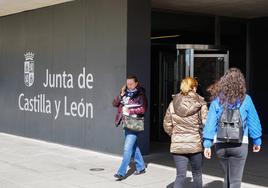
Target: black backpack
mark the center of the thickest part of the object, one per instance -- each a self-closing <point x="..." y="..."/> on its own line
<point x="230" y="126"/>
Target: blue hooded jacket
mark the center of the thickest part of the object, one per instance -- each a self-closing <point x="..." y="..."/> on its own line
<point x="248" y="114"/>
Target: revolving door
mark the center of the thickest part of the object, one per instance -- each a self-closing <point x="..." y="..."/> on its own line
<point x="170" y="65"/>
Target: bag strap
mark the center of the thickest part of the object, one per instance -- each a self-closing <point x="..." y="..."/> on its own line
<point x="172" y="111"/>
<point x="200" y="122"/>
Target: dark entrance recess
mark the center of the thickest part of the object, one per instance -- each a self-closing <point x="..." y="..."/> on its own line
<point x="162" y="87"/>
<point x="168" y="64"/>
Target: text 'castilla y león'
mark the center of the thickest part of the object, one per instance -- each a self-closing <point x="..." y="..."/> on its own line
<point x="41" y="103"/>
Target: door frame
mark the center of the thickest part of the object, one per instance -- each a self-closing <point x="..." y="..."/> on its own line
<point x="192" y="51"/>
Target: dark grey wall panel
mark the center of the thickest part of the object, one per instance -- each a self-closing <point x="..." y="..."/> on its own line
<point x="138" y="53"/>
<point x="13" y="42"/>
<point x="69" y="56"/>
<point x="66" y="37"/>
<point x="38" y="39"/>
<point x="109" y="73"/>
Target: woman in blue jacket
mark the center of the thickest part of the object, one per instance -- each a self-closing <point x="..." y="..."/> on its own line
<point x="230" y="91"/>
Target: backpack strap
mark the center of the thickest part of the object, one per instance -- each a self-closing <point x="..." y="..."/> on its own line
<point x="200" y="122"/>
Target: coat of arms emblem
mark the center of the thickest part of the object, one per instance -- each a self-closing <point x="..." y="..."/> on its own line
<point x="29" y="69"/>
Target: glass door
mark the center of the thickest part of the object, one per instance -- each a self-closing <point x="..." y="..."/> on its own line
<point x="204" y="62"/>
<point x="208" y="68"/>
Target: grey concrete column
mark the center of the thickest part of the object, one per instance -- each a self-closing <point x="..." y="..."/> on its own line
<point x="138" y="53"/>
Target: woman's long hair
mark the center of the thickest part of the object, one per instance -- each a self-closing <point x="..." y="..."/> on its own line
<point x="230" y="88"/>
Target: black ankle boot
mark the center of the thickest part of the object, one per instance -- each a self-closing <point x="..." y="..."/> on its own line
<point x="119" y="177"/>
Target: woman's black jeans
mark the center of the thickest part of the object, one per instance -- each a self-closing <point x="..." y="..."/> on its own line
<point x="181" y="162"/>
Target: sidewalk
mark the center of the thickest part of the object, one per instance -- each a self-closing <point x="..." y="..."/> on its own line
<point x="27" y="163"/>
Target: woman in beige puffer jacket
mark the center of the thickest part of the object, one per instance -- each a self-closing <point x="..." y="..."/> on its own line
<point x="183" y="122"/>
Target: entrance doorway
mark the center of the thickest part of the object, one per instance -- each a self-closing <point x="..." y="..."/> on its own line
<point x="170" y="64"/>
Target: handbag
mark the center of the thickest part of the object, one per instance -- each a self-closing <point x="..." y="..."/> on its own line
<point x="133" y="123"/>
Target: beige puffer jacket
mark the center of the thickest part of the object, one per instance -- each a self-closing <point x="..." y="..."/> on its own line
<point x="183" y="123"/>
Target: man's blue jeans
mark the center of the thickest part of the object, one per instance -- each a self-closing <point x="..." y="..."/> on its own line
<point x="131" y="149"/>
